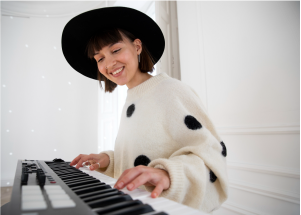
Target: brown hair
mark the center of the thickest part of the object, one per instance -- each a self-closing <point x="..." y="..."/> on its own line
<point x="111" y="36"/>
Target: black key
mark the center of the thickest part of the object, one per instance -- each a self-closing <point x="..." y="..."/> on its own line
<point x="78" y="179"/>
<point x="87" y="185"/>
<point x="82" y="182"/>
<point x="98" y="193"/>
<point x="109" y="201"/>
<point x="135" y="210"/>
<point x="101" y="196"/>
<point x="160" y="213"/>
<point x="59" y="173"/>
<point x="91" y="189"/>
<point x="117" y="206"/>
<point x="73" y="176"/>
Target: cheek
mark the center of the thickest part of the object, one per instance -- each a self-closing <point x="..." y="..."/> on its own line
<point x="101" y="69"/>
<point x="127" y="58"/>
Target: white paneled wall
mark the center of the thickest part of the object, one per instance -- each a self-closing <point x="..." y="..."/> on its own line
<point x="48" y="110"/>
<point x="243" y="59"/>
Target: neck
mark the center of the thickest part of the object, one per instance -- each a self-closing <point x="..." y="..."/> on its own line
<point x="138" y="78"/>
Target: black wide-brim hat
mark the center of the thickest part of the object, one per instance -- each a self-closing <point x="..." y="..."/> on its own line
<point x="82" y="27"/>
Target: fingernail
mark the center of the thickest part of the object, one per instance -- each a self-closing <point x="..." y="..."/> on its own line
<point x="155" y="195"/>
<point x="91" y="167"/>
<point x="120" y="185"/>
<point x="130" y="186"/>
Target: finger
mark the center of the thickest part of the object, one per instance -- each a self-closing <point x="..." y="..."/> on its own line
<point x="75" y="160"/>
<point x="120" y="178"/>
<point x="157" y="191"/>
<point x="130" y="176"/>
<point x="85" y="158"/>
<point x="94" y="166"/>
<point x="138" y="181"/>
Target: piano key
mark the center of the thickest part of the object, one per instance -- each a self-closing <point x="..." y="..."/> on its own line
<point x="82" y="183"/>
<point x="95" y="196"/>
<point x="87" y="185"/>
<point x="109" y="201"/>
<point x="73" y="176"/>
<point x="91" y="189"/>
<point x="99" y="192"/>
<point x="84" y="178"/>
<point x="134" y="210"/>
<point x="117" y="206"/>
<point x="155" y="213"/>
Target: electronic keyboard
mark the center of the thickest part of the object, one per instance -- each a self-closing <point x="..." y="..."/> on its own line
<point x="55" y="187"/>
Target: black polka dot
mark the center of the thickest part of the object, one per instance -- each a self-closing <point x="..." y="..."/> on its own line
<point x="192" y="123"/>
<point x="130" y="110"/>
<point x="142" y="160"/>
<point x="224" y="152"/>
<point x="212" y="176"/>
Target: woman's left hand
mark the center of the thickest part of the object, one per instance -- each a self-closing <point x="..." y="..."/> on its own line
<point x="144" y="175"/>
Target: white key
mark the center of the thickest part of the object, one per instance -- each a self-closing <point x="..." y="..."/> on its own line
<point x="32" y="198"/>
<point x="56" y="191"/>
<point x="35" y="205"/>
<point x="63" y="204"/>
<point x="54" y="197"/>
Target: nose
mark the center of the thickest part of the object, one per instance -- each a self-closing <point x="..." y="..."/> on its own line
<point x="110" y="63"/>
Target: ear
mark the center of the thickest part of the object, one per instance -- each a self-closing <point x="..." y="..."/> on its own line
<point x="138" y="45"/>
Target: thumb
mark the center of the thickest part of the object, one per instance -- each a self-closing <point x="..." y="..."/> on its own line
<point x="94" y="166"/>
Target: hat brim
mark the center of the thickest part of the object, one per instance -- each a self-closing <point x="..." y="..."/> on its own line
<point x="82" y="27"/>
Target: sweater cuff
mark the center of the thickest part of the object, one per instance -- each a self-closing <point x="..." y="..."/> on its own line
<point x="109" y="170"/>
<point x="174" y="168"/>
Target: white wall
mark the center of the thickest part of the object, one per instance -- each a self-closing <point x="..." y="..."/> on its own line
<point x="243" y="59"/>
<point x="48" y="110"/>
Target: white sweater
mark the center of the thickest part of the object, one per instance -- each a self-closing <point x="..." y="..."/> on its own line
<point x="164" y="125"/>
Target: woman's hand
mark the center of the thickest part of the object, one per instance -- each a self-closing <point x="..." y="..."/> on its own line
<point x="96" y="160"/>
<point x="143" y="175"/>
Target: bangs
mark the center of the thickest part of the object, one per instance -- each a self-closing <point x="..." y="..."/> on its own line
<point x="102" y="39"/>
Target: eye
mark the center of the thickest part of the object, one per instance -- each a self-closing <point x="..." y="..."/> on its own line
<point x="99" y="60"/>
<point x="116" y="50"/>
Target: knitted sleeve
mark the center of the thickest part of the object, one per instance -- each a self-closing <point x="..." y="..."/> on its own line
<point x="109" y="171"/>
<point x="197" y="167"/>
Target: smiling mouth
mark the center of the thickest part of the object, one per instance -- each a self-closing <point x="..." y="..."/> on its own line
<point x="117" y="71"/>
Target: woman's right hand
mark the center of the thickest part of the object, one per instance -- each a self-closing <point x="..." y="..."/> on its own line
<point x="96" y="160"/>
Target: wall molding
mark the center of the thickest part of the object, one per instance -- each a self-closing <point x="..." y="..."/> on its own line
<point x="267" y="191"/>
<point x="272" y="170"/>
<point x="240" y="210"/>
<point x="267" y="129"/>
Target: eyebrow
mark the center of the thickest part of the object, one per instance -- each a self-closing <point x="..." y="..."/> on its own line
<point x="96" y="53"/>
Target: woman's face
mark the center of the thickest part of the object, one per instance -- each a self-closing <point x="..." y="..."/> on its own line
<point x="119" y="62"/>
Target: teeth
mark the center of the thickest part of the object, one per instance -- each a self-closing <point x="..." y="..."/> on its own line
<point x="119" y="70"/>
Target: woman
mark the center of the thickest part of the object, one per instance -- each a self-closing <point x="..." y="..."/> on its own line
<point x="166" y="142"/>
